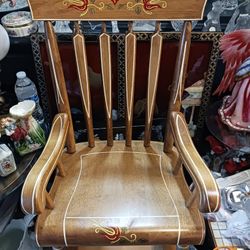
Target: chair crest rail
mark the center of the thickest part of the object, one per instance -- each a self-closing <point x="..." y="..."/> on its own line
<point x="117" y="9"/>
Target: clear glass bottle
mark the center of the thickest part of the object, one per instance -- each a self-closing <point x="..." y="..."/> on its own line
<point x="25" y="89"/>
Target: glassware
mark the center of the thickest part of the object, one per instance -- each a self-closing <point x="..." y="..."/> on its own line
<point x="178" y="24"/>
<point x="229" y="4"/>
<point x="26" y="90"/>
<point x="240" y="18"/>
<point x="213" y="17"/>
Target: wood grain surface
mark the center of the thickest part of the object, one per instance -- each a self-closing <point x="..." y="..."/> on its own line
<point x="59" y="84"/>
<point x="209" y="193"/>
<point x="105" y="53"/>
<point x="130" y="64"/>
<point x="33" y="197"/>
<point x="120" y="195"/>
<point x="117" y="9"/>
<point x="115" y="193"/>
<point x="153" y="73"/>
<point x="178" y="81"/>
<point x="83" y="77"/>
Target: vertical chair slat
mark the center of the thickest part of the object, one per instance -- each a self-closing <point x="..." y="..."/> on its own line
<point x="130" y="62"/>
<point x="154" y="66"/>
<point x="59" y="82"/>
<point x="178" y="81"/>
<point x="105" y="51"/>
<point x="82" y="69"/>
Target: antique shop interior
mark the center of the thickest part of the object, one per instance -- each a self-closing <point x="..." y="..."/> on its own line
<point x="125" y="124"/>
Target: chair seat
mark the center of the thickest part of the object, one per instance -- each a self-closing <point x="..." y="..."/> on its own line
<point x="120" y="196"/>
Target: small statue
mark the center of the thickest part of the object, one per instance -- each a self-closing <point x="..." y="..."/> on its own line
<point x="240" y="18"/>
<point x="213" y="17"/>
<point x="235" y="110"/>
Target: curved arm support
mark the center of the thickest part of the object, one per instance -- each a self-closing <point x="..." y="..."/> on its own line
<point x="201" y="175"/>
<point x="33" y="196"/>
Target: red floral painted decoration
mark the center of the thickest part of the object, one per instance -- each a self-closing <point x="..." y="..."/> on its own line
<point x="115" y="1"/>
<point x="84" y="4"/>
<point x="115" y="234"/>
<point x="81" y="7"/>
<point x="145" y="5"/>
<point x="149" y="6"/>
<point x="19" y="134"/>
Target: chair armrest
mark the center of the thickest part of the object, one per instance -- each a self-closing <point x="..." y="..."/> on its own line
<point x="33" y="196"/>
<point x="201" y="175"/>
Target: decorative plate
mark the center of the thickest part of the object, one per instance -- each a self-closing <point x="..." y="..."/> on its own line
<point x="20" y="4"/>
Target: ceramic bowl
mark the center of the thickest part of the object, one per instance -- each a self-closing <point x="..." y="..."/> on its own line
<point x="22" y="109"/>
<point x="19" y="24"/>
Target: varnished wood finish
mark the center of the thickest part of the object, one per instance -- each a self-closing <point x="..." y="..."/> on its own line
<point x="133" y="190"/>
<point x="59" y="82"/>
<point x="204" y="181"/>
<point x="82" y="69"/>
<point x="60" y="168"/>
<point x="154" y="66"/>
<point x="124" y="192"/>
<point x="177" y="167"/>
<point x="192" y="198"/>
<point x="117" y="10"/>
<point x="105" y="51"/>
<point x="178" y="81"/>
<point x="130" y="60"/>
<point x="33" y="197"/>
<point x="49" y="202"/>
<point x="169" y="247"/>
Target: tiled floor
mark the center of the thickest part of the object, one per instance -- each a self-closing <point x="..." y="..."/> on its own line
<point x="217" y="230"/>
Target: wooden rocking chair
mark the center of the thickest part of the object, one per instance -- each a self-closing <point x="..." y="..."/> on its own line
<point x="119" y="192"/>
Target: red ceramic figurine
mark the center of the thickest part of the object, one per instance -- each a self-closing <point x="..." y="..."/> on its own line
<point x="235" y="110"/>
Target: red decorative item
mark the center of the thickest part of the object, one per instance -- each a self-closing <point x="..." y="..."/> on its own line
<point x="115" y="236"/>
<point x="235" y="110"/>
<point x="233" y="167"/>
<point x="85" y="5"/>
<point x="19" y="134"/>
<point x="115" y="1"/>
<point x="215" y="145"/>
<point x="82" y="7"/>
<point x="148" y="5"/>
<point x="230" y="166"/>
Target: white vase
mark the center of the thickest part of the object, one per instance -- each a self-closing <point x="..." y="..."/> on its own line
<point x="4" y="42"/>
<point x="26" y="133"/>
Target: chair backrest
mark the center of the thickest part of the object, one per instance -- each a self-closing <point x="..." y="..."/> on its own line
<point x="107" y="10"/>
